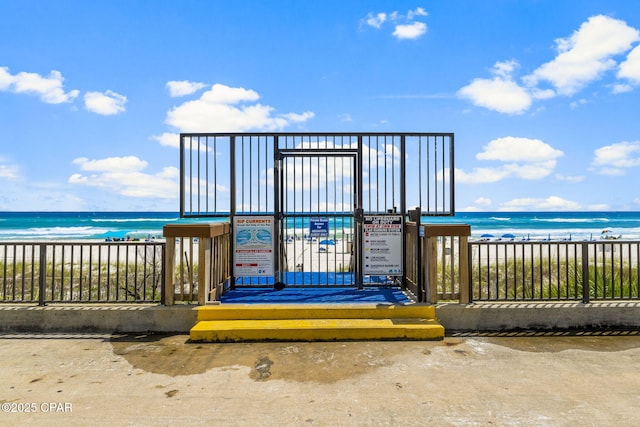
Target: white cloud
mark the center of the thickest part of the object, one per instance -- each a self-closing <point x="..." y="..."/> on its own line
<point x="410" y="31"/>
<point x="129" y="163"/>
<point x="482" y="201"/>
<point x="405" y="26"/>
<point x="6" y="79"/>
<point x="227" y="109"/>
<point x="298" y="118"/>
<point x="125" y="176"/>
<point x="8" y="171"/>
<point x="376" y="20"/>
<point x="105" y="103"/>
<point x="49" y="89"/>
<point x="523" y="158"/>
<point x="578" y="103"/>
<point x="586" y="55"/>
<point x="621" y="88"/>
<point x="168" y="139"/>
<point x="184" y="87"/>
<point x="616" y="159"/>
<point x="568" y="178"/>
<point x="501" y="93"/>
<point x="582" y="58"/>
<point x="480" y="175"/>
<point x="510" y="148"/>
<point x="630" y="68"/>
<point x="551" y="203"/>
<point x="418" y="11"/>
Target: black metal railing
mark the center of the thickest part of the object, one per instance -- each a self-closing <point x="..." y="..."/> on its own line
<point x="224" y="174"/>
<point x="554" y="271"/>
<point x="70" y="272"/>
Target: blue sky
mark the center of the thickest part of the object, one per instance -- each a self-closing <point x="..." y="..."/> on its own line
<point x="543" y="95"/>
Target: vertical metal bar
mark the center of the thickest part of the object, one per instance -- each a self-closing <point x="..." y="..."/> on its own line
<point x="251" y="174"/>
<point x="135" y="273"/>
<point x="118" y="274"/>
<point x="620" y="272"/>
<point x="199" y="176"/>
<point x="369" y="177"/>
<point x="278" y="216"/>
<point x="71" y="273"/>
<point x="99" y="293"/>
<point x="206" y="175"/>
<point x="42" y="280"/>
<point x="126" y="271"/>
<point x="357" y="250"/>
<point x="181" y="178"/>
<point x="215" y="174"/>
<point x="377" y="174"/>
<point x="637" y="246"/>
<point x="420" y="178"/>
<point x="232" y="208"/>
<point x="62" y="274"/>
<point x="452" y="187"/>
<point x="108" y="282"/>
<point x="4" y="272"/>
<point x="585" y="272"/>
<point x="190" y="175"/>
<point x="489" y="247"/>
<point x="13" y="279"/>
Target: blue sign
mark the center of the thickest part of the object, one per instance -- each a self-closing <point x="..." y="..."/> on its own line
<point x="318" y="227"/>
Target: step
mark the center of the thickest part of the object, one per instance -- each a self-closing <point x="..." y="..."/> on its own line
<point x="315" y="311"/>
<point x="317" y="329"/>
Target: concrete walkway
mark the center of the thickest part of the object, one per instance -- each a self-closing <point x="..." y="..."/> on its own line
<point x="161" y="380"/>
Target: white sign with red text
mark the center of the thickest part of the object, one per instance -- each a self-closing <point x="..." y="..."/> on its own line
<point x="383" y="245"/>
<point x="253" y="253"/>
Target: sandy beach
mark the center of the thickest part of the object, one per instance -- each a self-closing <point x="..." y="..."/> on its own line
<point x="325" y="255"/>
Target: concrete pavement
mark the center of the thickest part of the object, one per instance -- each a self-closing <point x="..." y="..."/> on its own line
<point x="515" y="379"/>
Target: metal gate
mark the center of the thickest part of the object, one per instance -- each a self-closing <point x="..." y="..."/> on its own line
<point x="318" y="188"/>
<point x="316" y="197"/>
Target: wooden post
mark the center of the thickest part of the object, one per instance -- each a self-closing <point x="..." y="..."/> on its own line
<point x="432" y="232"/>
<point x="169" y="271"/>
<point x="463" y="269"/>
<point x="204" y="282"/>
<point x="207" y="289"/>
<point x="432" y="269"/>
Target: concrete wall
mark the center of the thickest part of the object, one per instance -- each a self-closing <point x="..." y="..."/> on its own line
<point x="553" y="315"/>
<point x="454" y="317"/>
<point x="97" y="318"/>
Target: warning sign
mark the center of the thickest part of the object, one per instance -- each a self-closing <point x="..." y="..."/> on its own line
<point x="253" y="246"/>
<point x="383" y="245"/>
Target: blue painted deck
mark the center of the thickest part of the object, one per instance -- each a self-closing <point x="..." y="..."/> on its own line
<point x="329" y="295"/>
<point x="315" y="278"/>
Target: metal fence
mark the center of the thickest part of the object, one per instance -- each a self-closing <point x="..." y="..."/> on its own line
<point x="224" y="174"/>
<point x="72" y="272"/>
<point x="450" y="268"/>
<point x="554" y="271"/>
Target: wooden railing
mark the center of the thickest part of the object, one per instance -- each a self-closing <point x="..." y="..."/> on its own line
<point x="197" y="262"/>
<point x="437" y="261"/>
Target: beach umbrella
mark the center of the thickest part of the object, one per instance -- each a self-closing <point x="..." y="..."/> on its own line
<point x="488" y="236"/>
<point x="121" y="234"/>
<point x="508" y="236"/>
<point x="326" y="242"/>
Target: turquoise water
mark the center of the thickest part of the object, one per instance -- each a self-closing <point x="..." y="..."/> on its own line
<point x="533" y="225"/>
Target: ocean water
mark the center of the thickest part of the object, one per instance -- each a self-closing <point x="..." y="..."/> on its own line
<point x="549" y="225"/>
<point x="82" y="225"/>
<point x="523" y="225"/>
